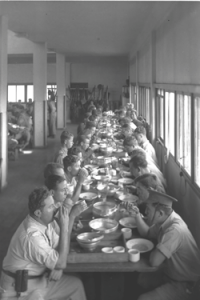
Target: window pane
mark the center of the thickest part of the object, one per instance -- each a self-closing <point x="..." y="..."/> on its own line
<point x="12" y="93"/>
<point x="184" y="131"/>
<point x="30" y="92"/>
<point x="161" y="106"/>
<point x="169" y="121"/>
<point x="20" y="93"/>
<point x="197" y="140"/>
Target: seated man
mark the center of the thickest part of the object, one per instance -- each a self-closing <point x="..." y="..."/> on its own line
<point x="176" y="253"/>
<point x="72" y="168"/>
<point x="53" y="169"/>
<point x="77" y="151"/>
<point x="140" y="134"/>
<point x="140" y="164"/>
<point x="83" y="143"/>
<point x="37" y="249"/>
<point x="66" y="139"/>
<point x="58" y="187"/>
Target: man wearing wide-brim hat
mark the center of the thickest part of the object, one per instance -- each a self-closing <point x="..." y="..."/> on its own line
<point x="176" y="254"/>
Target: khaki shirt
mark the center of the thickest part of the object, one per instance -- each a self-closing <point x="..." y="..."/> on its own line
<point x="60" y="155"/>
<point x="148" y="147"/>
<point x="177" y="244"/>
<point x="33" y="247"/>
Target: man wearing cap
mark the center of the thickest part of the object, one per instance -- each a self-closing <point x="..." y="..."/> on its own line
<point x="176" y="253"/>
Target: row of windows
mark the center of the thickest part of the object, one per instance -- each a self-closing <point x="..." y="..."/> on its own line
<point x="22" y="93"/>
<point x="177" y="125"/>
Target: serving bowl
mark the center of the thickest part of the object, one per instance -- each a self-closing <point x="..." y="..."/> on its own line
<point x="104" y="209"/>
<point x="104" y="225"/>
<point x="89" y="240"/>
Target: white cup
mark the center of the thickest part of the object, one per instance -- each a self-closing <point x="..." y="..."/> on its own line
<point x="127" y="233"/>
<point x="107" y="250"/>
<point x="119" y="249"/>
<point x="133" y="255"/>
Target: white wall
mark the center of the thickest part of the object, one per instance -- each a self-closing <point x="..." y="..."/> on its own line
<point x="111" y="72"/>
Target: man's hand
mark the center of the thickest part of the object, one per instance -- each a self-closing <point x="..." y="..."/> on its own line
<point x="68" y="203"/>
<point x="55" y="275"/>
<point x="78" y="209"/>
<point x="63" y="219"/>
<point x="82" y="175"/>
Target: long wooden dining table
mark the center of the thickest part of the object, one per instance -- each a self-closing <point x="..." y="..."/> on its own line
<point x="83" y="262"/>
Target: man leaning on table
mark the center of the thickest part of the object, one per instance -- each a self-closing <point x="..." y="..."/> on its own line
<point x="34" y="263"/>
<point x="176" y="254"/>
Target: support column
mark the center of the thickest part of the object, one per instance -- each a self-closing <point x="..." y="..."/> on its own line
<point x="3" y="102"/>
<point x="67" y="99"/>
<point x="153" y="92"/>
<point x="61" y="89"/>
<point x="40" y="105"/>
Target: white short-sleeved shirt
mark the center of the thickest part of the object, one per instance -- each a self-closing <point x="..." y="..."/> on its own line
<point x="177" y="244"/>
<point x="71" y="185"/>
<point x="148" y="147"/>
<point x="31" y="248"/>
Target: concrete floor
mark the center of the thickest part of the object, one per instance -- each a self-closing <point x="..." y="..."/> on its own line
<point x="24" y="175"/>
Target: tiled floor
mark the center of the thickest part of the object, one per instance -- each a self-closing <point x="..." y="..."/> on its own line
<point x="24" y="175"/>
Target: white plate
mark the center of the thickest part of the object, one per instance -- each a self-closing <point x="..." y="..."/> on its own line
<point x="102" y="177"/>
<point x="125" y="180"/>
<point x="88" y="196"/>
<point x="128" y="222"/>
<point x="142" y="245"/>
<point x="128" y="197"/>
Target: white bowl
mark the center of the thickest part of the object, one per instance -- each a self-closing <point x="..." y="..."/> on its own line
<point x="125" y="180"/>
<point x="142" y="245"/>
<point x="107" y="250"/>
<point x="128" y="222"/>
<point x="127" y="197"/>
<point x="88" y="196"/>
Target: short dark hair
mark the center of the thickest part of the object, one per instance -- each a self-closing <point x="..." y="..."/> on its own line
<point x="70" y="160"/>
<point x="150" y="180"/>
<point x="66" y="135"/>
<point x="82" y="138"/>
<point x="126" y="126"/>
<point x="90" y="124"/>
<point x="130" y="141"/>
<point x="74" y="150"/>
<point x="37" y="198"/>
<point x="53" y="180"/>
<point x="139" y="159"/>
<point x="50" y="169"/>
<point x="140" y="130"/>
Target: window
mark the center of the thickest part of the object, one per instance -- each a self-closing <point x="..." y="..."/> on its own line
<point x="184" y="131"/>
<point x="51" y="90"/>
<point x="20" y="93"/>
<point x="170" y="121"/>
<point x="197" y="140"/>
<point x="160" y="113"/>
<point x="12" y="97"/>
<point x="29" y="93"/>
<point x="144" y="102"/>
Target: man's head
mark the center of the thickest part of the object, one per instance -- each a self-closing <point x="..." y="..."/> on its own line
<point x="127" y="130"/>
<point x="66" y="139"/>
<point x="145" y="182"/>
<point x="41" y="205"/>
<point x="92" y="126"/>
<point x="140" y="134"/>
<point x="53" y="169"/>
<point x="138" y="163"/>
<point x="158" y="207"/>
<point x="76" y="150"/>
<point x="72" y="165"/>
<point x="130" y="143"/>
<point x="83" y="142"/>
<point x="58" y="187"/>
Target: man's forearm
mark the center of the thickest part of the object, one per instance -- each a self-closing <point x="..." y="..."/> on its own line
<point x="63" y="249"/>
<point x="77" y="191"/>
<point x="142" y="227"/>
